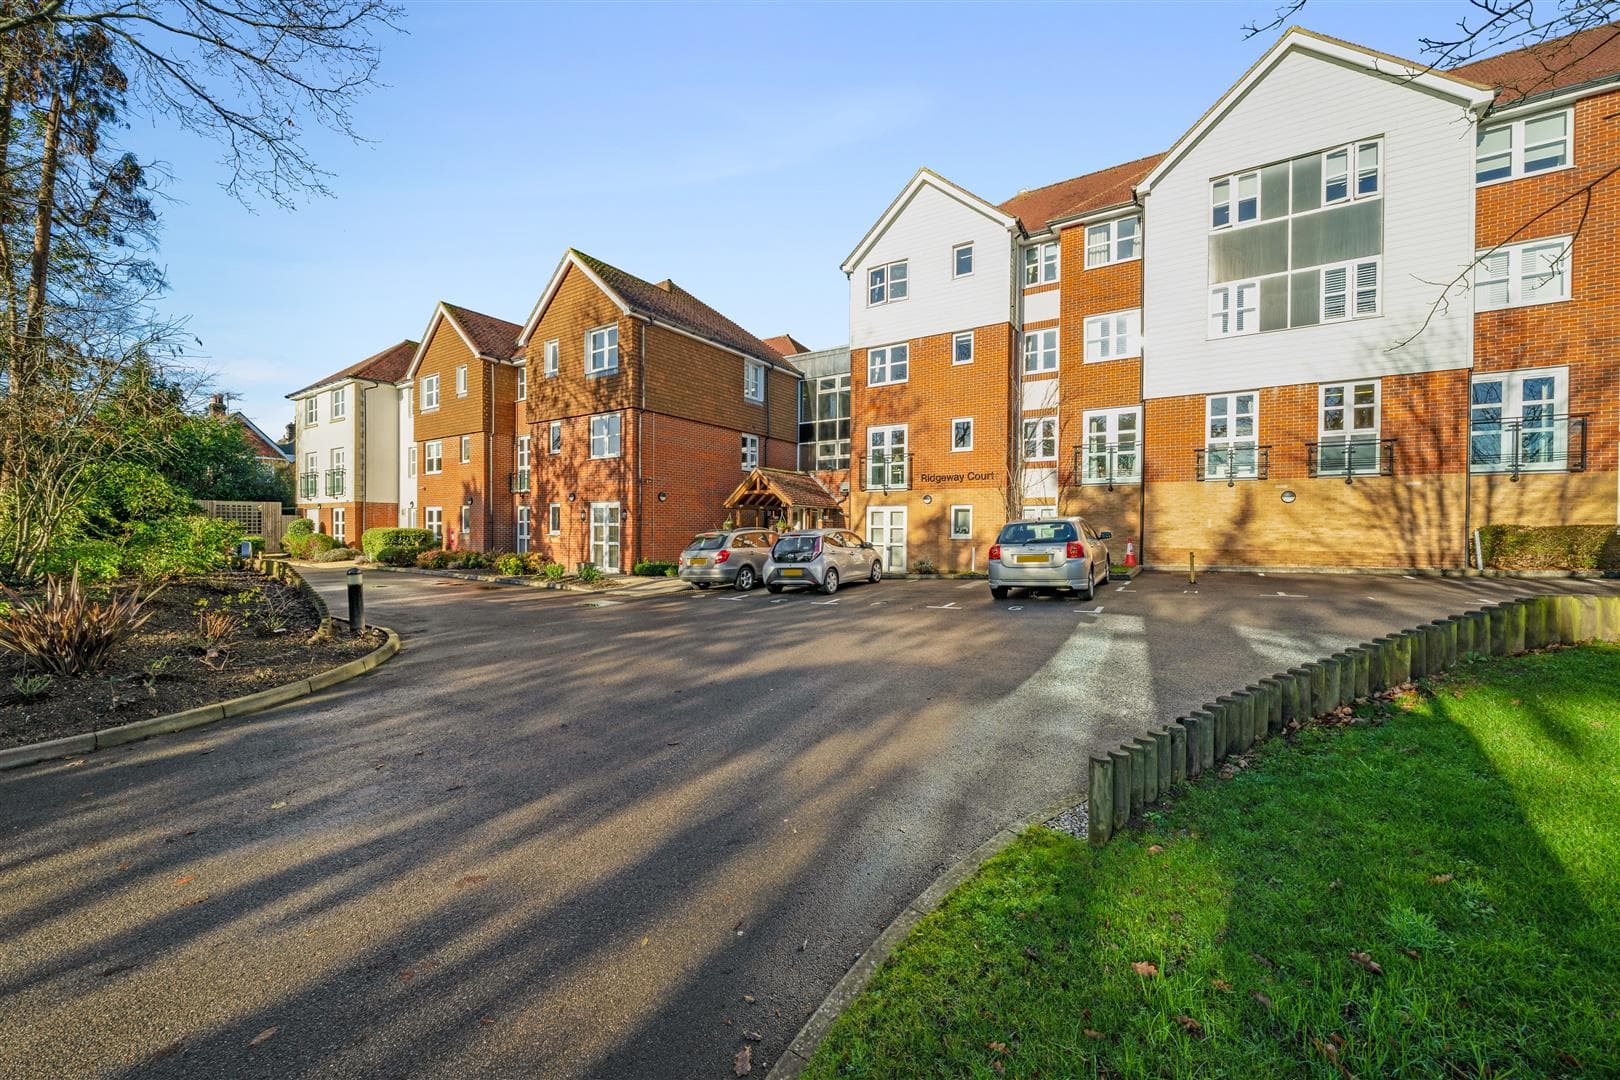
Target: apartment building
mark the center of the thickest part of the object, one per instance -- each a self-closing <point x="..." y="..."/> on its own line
<point x="644" y="408"/>
<point x="1354" y="313"/>
<point x="458" y="404"/>
<point x="346" y="445"/>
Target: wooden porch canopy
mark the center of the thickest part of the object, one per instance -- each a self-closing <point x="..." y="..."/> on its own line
<point x="782" y="490"/>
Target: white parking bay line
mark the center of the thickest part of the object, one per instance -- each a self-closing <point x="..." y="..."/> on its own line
<point x="824" y="603"/>
<point x="952" y="606"/>
<point x="970" y="585"/>
<point x="1293" y="596"/>
<point x="1094" y="611"/>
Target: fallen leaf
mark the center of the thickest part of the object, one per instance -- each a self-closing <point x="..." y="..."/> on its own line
<point x="485" y="1021"/>
<point x="1001" y="1069"/>
<point x="998" y="1047"/>
<point x="1366" y="962"/>
<point x="263" y="1036"/>
<point x="1031" y="954"/>
<point x="1260" y="996"/>
<point x="278" y="806"/>
<point x="471" y="879"/>
<point x="1091" y="1033"/>
<point x="1570" y="1059"/>
<point x="123" y="865"/>
<point x="1142" y="967"/>
<point x="1194" y="1028"/>
<point x="1154" y="849"/>
<point x="1440" y="879"/>
<point x="748" y="998"/>
<point x="752" y="1036"/>
<point x="1413" y="953"/>
<point x="1262" y="960"/>
<point x="187" y="880"/>
<point x="743" y="1063"/>
<point x="1220" y="984"/>
<point x="407" y="975"/>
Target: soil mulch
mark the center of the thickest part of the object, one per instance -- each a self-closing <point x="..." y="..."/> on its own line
<point x="166" y="666"/>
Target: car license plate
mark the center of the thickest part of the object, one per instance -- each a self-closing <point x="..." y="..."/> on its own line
<point x="697" y="562"/>
<point x="793" y="573"/>
<point x="1033" y="558"/>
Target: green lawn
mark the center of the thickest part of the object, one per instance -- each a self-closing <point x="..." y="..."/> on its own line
<point x="1465" y="843"/>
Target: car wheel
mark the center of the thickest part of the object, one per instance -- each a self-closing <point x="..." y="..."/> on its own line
<point x="701" y="584"/>
<point x="999" y="591"/>
<point x="1090" y="592"/>
<point x="773" y="588"/>
<point x="830" y="585"/>
<point x="877" y="571"/>
<point x="745" y="578"/>
<point x="1108" y="571"/>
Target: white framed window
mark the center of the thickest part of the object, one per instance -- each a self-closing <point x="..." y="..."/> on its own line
<point x="1041" y="263"/>
<point x="410" y="461"/>
<point x="466" y="520"/>
<point x="887" y="284"/>
<point x="340" y="403"/>
<point x="750" y="453"/>
<point x="602" y="351"/>
<point x="961" y="522"/>
<point x="554" y="437"/>
<point x="522" y="529"/>
<point x="1040" y="438"/>
<point x="553" y="358"/>
<point x="1349" y="290"/>
<point x="554" y="518"/>
<point x="1522" y="274"/>
<point x="312" y="411"/>
<point x="961" y="260"/>
<point x="886" y="462"/>
<point x="433" y="522"/>
<point x="1231" y="426"/>
<point x="433" y="457"/>
<point x="430" y="393"/>
<point x="961" y="433"/>
<point x="523" y="382"/>
<point x="1040" y="351"/>
<point x="340" y="524"/>
<point x="1517" y="420"/>
<point x="1352" y="172"/>
<point x="1525" y="147"/>
<point x="1112" y="453"/>
<point x="605" y="435"/>
<point x="1234" y="200"/>
<point x="466" y="449"/>
<point x="1114" y="241"/>
<point x="887" y="364"/>
<point x="312" y="465"/>
<point x="753" y="380"/>
<point x="1111" y="336"/>
<point x="522" y="458"/>
<point x="461" y="380"/>
<point x="1234" y="309"/>
<point x="962" y="347"/>
<point x="1347" y="431"/>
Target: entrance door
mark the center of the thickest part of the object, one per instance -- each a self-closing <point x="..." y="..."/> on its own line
<point x="886" y="531"/>
<point x="605" y="536"/>
<point x="314" y="515"/>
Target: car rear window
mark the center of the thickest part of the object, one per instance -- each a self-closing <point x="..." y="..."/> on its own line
<point x="708" y="541"/>
<point x="794" y="546"/>
<point x="1037" y="532"/>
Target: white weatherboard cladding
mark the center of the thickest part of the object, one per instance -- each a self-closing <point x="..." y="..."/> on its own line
<point x="1040" y="307"/>
<point x="1308" y="103"/>
<point x="923" y="234"/>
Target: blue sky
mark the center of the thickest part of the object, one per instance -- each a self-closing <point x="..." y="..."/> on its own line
<point x="741" y="149"/>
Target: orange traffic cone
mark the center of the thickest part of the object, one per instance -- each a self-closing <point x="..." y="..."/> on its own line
<point x="1130" y="554"/>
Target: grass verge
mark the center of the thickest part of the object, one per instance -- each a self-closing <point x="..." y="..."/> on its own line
<point x="1433" y="890"/>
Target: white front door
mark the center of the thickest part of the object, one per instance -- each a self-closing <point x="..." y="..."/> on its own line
<point x="886" y="531"/>
<point x="605" y="536"/>
<point x="314" y="515"/>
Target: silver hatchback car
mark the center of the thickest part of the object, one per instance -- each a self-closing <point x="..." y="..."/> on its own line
<point x="821" y="559"/>
<point x="726" y="557"/>
<point x="1049" y="553"/>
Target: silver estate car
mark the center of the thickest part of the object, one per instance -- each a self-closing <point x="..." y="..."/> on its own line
<point x="726" y="557"/>
<point x="1049" y="553"/>
<point x="821" y="559"/>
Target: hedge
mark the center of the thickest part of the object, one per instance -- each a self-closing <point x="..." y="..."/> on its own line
<point x="1551" y="547"/>
<point x="373" y="541"/>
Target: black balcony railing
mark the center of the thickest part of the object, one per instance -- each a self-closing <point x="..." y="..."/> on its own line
<point x="885" y="472"/>
<point x="309" y="485"/>
<point x="1351" y="458"/>
<point x="518" y="482"/>
<point x="335" y="480"/>
<point x="1542" y="444"/>
<point x="1233" y="463"/>
<point x="1111" y="464"/>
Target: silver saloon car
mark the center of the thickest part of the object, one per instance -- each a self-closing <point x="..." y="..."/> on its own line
<point x="1049" y="553"/>
<point x="733" y="557"/>
<point x="821" y="559"/>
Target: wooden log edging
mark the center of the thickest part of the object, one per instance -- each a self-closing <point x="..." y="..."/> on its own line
<point x="278" y="568"/>
<point x="1127" y="781"/>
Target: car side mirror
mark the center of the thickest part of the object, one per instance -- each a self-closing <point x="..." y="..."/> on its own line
<point x="1105" y="535"/>
<point x="866" y="545"/>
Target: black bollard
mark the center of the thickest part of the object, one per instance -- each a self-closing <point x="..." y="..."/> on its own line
<point x="357" y="602"/>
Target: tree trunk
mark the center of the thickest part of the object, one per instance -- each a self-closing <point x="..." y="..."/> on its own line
<point x="44" y="214"/>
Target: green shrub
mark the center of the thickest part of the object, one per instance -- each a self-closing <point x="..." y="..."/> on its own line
<point x="299" y="527"/>
<point x="509" y="564"/>
<point x="1551" y="547"/>
<point x="471" y="560"/>
<point x="334" y="554"/>
<point x="183" y="545"/>
<point x="396" y="556"/>
<point x="653" y="568"/>
<point x="96" y="560"/>
<point x="257" y="542"/>
<point x="555" y="571"/>
<point x="589" y="574"/>
<point x="308" y="545"/>
<point x="534" y="562"/>
<point x="372" y="541"/>
<point x="436" y="559"/>
<point x="31" y="687"/>
<point x="923" y="566"/>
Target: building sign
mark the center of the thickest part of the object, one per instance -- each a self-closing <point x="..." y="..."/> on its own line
<point x="956" y="478"/>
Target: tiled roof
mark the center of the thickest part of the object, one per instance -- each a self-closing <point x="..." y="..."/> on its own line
<point x="792" y="488"/>
<point x="263" y="445"/>
<point x="1582" y="57"/>
<point x="1080" y="195"/>
<point x="668" y="302"/>
<point x="387" y="366"/>
<point x="787" y="345"/>
<point x="491" y="336"/>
